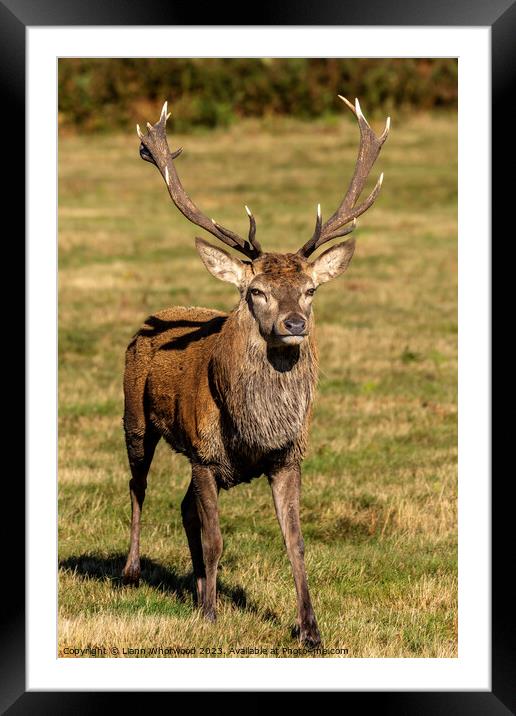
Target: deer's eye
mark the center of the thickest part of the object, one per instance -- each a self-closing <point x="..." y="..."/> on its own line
<point x="257" y="292"/>
<point x="310" y="292"/>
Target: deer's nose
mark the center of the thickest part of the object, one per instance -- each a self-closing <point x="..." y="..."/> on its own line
<point x="295" y="324"/>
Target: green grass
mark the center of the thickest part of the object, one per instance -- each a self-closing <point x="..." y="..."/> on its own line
<point x="380" y="483"/>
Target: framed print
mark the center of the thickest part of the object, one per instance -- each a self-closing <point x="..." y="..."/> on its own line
<point x="404" y="525"/>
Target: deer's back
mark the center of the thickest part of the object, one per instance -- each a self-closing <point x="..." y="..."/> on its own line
<point x="166" y="377"/>
<point x="179" y="329"/>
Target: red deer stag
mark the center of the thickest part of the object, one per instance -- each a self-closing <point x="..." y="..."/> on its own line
<point x="233" y="391"/>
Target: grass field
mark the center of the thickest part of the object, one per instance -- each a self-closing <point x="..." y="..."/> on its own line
<point x="379" y="500"/>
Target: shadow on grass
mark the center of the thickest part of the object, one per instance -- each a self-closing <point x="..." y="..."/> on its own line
<point x="164" y="579"/>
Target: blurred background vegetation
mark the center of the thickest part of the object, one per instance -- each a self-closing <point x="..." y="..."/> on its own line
<point x="107" y="94"/>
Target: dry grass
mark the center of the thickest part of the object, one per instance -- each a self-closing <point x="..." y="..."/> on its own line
<point x="379" y="490"/>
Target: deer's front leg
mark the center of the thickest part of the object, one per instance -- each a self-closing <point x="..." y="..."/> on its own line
<point x="206" y="496"/>
<point x="286" y="488"/>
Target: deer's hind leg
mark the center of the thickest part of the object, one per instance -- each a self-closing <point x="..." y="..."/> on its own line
<point x="192" y="525"/>
<point x="201" y="522"/>
<point x="140" y="450"/>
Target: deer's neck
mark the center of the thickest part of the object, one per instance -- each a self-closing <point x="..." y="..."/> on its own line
<point x="266" y="393"/>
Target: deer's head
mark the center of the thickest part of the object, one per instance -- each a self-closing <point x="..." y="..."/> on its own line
<point x="278" y="289"/>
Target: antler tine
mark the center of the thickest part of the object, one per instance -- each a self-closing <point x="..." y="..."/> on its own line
<point x="252" y="231"/>
<point x="154" y="148"/>
<point x="349" y="210"/>
<point x="310" y="245"/>
<point x="343" y="231"/>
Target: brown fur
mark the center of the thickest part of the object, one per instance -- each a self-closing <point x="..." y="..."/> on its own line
<point x="233" y="392"/>
<point x="208" y="384"/>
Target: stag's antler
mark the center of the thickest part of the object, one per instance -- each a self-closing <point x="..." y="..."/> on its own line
<point x="154" y="148"/>
<point x="338" y="224"/>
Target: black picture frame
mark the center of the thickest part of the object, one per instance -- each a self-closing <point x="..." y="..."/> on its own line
<point x="15" y="17"/>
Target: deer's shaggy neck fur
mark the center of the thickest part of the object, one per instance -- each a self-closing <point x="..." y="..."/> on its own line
<point x="266" y="392"/>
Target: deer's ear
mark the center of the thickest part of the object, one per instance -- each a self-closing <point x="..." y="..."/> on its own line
<point x="221" y="264"/>
<point x="333" y="262"/>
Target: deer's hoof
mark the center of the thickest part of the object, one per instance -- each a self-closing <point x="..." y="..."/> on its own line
<point x="308" y="634"/>
<point x="210" y="615"/>
<point x="310" y="640"/>
<point x="131" y="576"/>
